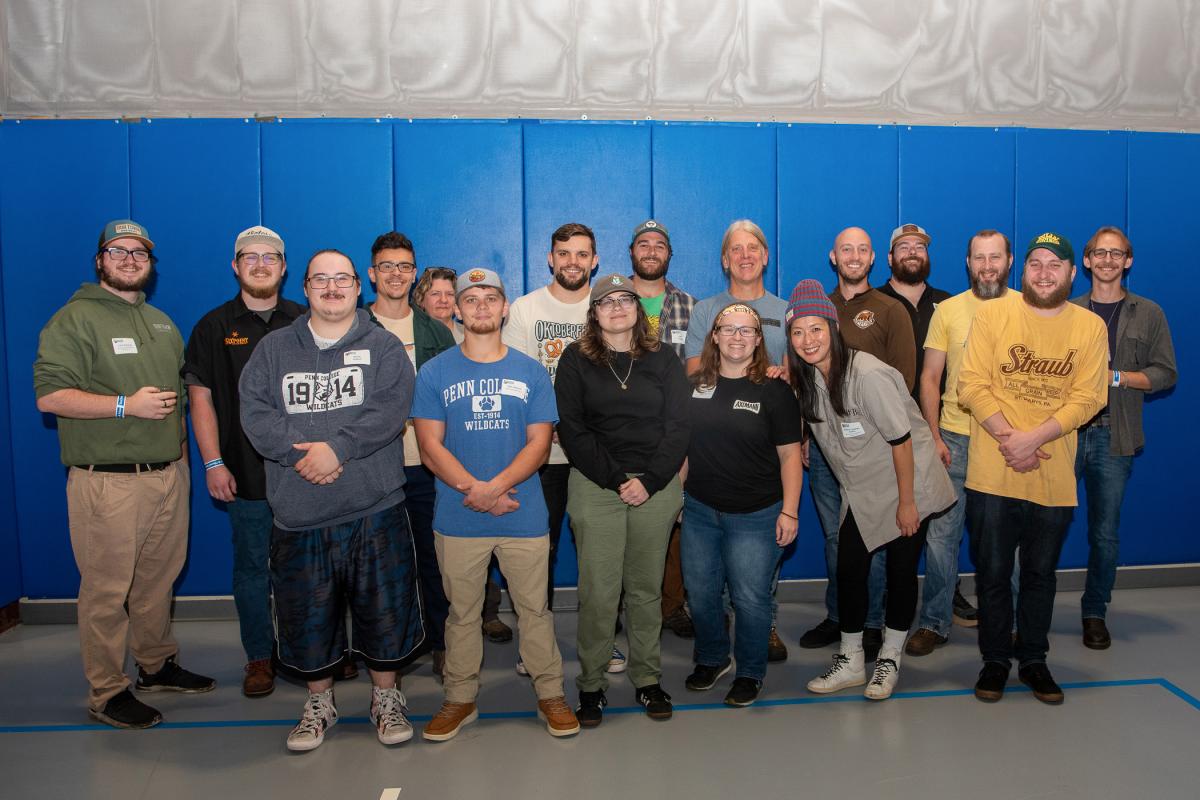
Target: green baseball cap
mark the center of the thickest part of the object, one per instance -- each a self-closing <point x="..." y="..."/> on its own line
<point x="122" y="229"/>
<point x="1055" y="243"/>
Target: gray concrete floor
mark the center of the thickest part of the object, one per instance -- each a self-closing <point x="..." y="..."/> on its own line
<point x="1128" y="729"/>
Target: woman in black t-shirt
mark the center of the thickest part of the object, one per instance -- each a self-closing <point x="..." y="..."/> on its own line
<point x="622" y="406"/>
<point x="743" y="488"/>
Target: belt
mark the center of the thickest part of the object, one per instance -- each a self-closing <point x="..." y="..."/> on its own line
<point x="129" y="468"/>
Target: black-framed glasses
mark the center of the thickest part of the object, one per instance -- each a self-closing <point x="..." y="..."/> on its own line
<point x="616" y="301"/>
<point x="139" y="254"/>
<point x="1112" y="252"/>
<point x="730" y="331"/>
<point x="342" y="280"/>
<point x="388" y="267"/>
<point x="266" y="259"/>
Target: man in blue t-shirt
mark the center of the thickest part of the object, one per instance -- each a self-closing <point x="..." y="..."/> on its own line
<point x="484" y="415"/>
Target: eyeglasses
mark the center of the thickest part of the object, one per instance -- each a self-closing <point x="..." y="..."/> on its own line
<point x="321" y="280"/>
<point x="266" y="259"/>
<point x="613" y="302"/>
<point x="388" y="267"/>
<point x="1113" y="253"/>
<point x="120" y="254"/>
<point x="737" y="330"/>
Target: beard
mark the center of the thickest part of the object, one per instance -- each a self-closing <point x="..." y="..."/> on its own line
<point x="260" y="292"/>
<point x="1056" y="298"/>
<point x="989" y="290"/>
<point x="570" y="285"/>
<point x="650" y="268"/>
<point x="482" y="326"/>
<point x="123" y="283"/>
<point x="911" y="270"/>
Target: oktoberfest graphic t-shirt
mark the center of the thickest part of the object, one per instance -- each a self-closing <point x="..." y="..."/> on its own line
<point x="486" y="408"/>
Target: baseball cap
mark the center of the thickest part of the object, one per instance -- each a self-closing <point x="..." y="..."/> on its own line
<point x="909" y="229"/>
<point x="478" y="277"/>
<point x="650" y="225"/>
<point x="605" y="286"/>
<point x="1055" y="243"/>
<point x="122" y="229"/>
<point x="257" y="235"/>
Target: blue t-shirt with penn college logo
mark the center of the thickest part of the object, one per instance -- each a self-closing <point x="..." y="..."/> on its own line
<point x="486" y="408"/>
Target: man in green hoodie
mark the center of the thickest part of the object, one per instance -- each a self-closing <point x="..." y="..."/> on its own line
<point x="108" y="367"/>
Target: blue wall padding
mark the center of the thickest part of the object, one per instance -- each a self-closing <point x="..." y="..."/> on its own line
<point x="10" y="547"/>
<point x="489" y="193"/>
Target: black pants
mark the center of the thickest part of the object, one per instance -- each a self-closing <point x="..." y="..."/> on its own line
<point x="554" y="488"/>
<point x="854" y="565"/>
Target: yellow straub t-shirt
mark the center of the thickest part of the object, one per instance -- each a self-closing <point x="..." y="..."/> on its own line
<point x="948" y="333"/>
<point x="1031" y="368"/>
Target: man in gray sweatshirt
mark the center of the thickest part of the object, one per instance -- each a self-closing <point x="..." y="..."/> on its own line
<point x="324" y="402"/>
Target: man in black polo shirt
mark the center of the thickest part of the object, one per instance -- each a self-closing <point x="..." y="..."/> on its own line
<point x="217" y="352"/>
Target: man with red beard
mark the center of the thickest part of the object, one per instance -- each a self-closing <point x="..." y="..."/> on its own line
<point x="1035" y="369"/>
<point x="108" y="368"/>
<point x="217" y="352"/>
<point x="669" y="309"/>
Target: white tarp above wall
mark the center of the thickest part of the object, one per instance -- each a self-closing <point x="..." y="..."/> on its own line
<point x="1049" y="63"/>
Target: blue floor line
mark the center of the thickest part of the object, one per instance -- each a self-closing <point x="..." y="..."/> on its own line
<point x="783" y="701"/>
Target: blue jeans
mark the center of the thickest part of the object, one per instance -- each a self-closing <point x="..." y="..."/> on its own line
<point x="419" y="494"/>
<point x="1104" y="476"/>
<point x="999" y="525"/>
<point x="942" y="542"/>
<point x="251" y="521"/>
<point x="827" y="498"/>
<point x="739" y="550"/>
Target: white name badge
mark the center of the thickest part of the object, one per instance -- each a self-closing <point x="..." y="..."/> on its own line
<point x="852" y="429"/>
<point x="357" y="357"/>
<point x="703" y="392"/>
<point x="517" y="389"/>
<point x="678" y="337"/>
<point x="123" y="347"/>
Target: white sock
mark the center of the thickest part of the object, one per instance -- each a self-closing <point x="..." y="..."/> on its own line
<point x="893" y="644"/>
<point x="851" y="643"/>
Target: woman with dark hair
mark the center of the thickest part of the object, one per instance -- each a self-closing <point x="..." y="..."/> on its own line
<point x="881" y="451"/>
<point x="743" y="476"/>
<point x="622" y="407"/>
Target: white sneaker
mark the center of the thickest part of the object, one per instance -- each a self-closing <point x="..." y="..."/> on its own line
<point x="521" y="669"/>
<point x="616" y="663"/>
<point x="319" y="716"/>
<point x="847" y="670"/>
<point x="883" y="681"/>
<point x="389" y="715"/>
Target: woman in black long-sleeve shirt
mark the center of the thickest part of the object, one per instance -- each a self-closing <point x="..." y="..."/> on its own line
<point x="623" y="422"/>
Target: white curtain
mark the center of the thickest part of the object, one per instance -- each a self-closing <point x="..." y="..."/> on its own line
<point x="1049" y="63"/>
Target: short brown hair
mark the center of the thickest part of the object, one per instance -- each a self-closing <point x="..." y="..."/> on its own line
<point x="1115" y="231"/>
<point x="430" y="275"/>
<point x="985" y="234"/>
<point x="565" y="232"/>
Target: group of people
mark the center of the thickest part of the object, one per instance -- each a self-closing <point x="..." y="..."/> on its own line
<point x="379" y="459"/>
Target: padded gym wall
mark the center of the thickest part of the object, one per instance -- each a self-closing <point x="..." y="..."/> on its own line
<point x="491" y="192"/>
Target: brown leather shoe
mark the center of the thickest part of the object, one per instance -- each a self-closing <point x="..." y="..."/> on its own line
<point x="439" y="662"/>
<point x="1095" y="634"/>
<point x="776" y="649"/>
<point x="559" y="718"/>
<point x="923" y="641"/>
<point x="496" y="631"/>
<point x="259" y="680"/>
<point x="447" y="722"/>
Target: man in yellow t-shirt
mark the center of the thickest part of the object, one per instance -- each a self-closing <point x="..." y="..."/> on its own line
<point x="1033" y="372"/>
<point x="989" y="259"/>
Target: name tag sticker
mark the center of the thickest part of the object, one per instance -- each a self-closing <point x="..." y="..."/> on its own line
<point x="852" y="429"/>
<point x="517" y="389"/>
<point x="703" y="392"/>
<point x="357" y="357"/>
<point x="124" y="347"/>
<point x="678" y="337"/>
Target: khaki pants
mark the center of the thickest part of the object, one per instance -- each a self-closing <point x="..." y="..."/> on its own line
<point x="523" y="561"/>
<point x="129" y="536"/>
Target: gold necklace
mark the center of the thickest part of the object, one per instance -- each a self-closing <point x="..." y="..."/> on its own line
<point x="628" y="372"/>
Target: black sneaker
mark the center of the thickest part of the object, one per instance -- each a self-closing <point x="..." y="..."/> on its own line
<point x="126" y="711"/>
<point x="872" y="641"/>
<point x="743" y="692"/>
<point x="591" y="709"/>
<point x="704" y="677"/>
<point x="173" y="678"/>
<point x="1038" y="678"/>
<point x="964" y="614"/>
<point x="656" y="702"/>
<point x="992" y="679"/>
<point x="824" y="634"/>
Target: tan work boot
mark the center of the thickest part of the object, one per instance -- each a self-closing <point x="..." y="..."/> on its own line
<point x="447" y="722"/>
<point x="559" y="718"/>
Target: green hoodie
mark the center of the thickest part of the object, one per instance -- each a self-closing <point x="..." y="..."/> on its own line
<point x="100" y="343"/>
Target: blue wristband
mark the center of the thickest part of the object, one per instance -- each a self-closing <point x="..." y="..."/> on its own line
<point x="216" y="462"/>
<point x="120" y="406"/>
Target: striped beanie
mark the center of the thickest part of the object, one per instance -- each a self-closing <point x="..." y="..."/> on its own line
<point x="809" y="300"/>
